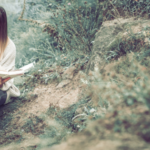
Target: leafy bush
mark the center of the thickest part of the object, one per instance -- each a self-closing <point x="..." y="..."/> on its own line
<point x="76" y="24"/>
<point x="134" y="7"/>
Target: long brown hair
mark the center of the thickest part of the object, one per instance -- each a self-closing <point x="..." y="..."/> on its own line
<point x="3" y="31"/>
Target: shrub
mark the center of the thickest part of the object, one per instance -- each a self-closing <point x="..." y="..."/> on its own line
<point x="76" y="24"/>
<point x="134" y="7"/>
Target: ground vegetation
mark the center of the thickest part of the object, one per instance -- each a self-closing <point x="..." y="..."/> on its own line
<point x="70" y="99"/>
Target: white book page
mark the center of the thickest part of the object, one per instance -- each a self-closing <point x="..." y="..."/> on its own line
<point x="19" y="72"/>
<point x="27" y="67"/>
<point x="11" y="74"/>
<point x="15" y="72"/>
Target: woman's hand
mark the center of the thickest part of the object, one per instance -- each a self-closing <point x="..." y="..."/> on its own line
<point x="2" y="81"/>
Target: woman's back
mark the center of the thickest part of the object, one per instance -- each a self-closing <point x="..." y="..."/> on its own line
<point x="8" y="56"/>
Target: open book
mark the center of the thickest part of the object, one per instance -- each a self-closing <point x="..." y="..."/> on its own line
<point x="4" y="74"/>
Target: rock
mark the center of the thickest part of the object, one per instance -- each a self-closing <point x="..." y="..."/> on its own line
<point x="80" y="75"/>
<point x="147" y="41"/>
<point x="82" y="110"/>
<point x="79" y="110"/>
<point x="92" y="110"/>
<point x="63" y="83"/>
<point x="69" y="73"/>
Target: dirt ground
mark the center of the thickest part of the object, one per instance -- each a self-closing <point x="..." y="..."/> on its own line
<point x="60" y="95"/>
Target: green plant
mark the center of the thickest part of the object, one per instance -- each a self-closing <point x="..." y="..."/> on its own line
<point x="76" y="24"/>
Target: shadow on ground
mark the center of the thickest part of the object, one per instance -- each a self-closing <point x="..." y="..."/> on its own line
<point x="6" y="112"/>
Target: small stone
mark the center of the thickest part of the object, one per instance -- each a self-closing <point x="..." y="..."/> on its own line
<point x="63" y="83"/>
<point x="79" y="111"/>
<point x="69" y="73"/>
<point x="92" y="110"/>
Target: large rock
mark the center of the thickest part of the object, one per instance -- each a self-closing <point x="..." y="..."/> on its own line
<point x="69" y="73"/>
<point x="110" y="34"/>
<point x="63" y="83"/>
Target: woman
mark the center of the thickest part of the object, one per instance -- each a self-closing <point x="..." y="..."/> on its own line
<point x="7" y="61"/>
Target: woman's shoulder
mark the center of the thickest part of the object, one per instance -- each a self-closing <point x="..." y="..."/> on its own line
<point x="11" y="44"/>
<point x="10" y="49"/>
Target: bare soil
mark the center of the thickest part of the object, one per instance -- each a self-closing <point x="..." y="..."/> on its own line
<point x="54" y="94"/>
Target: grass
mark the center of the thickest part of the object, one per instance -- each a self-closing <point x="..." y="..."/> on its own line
<point x="115" y="99"/>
